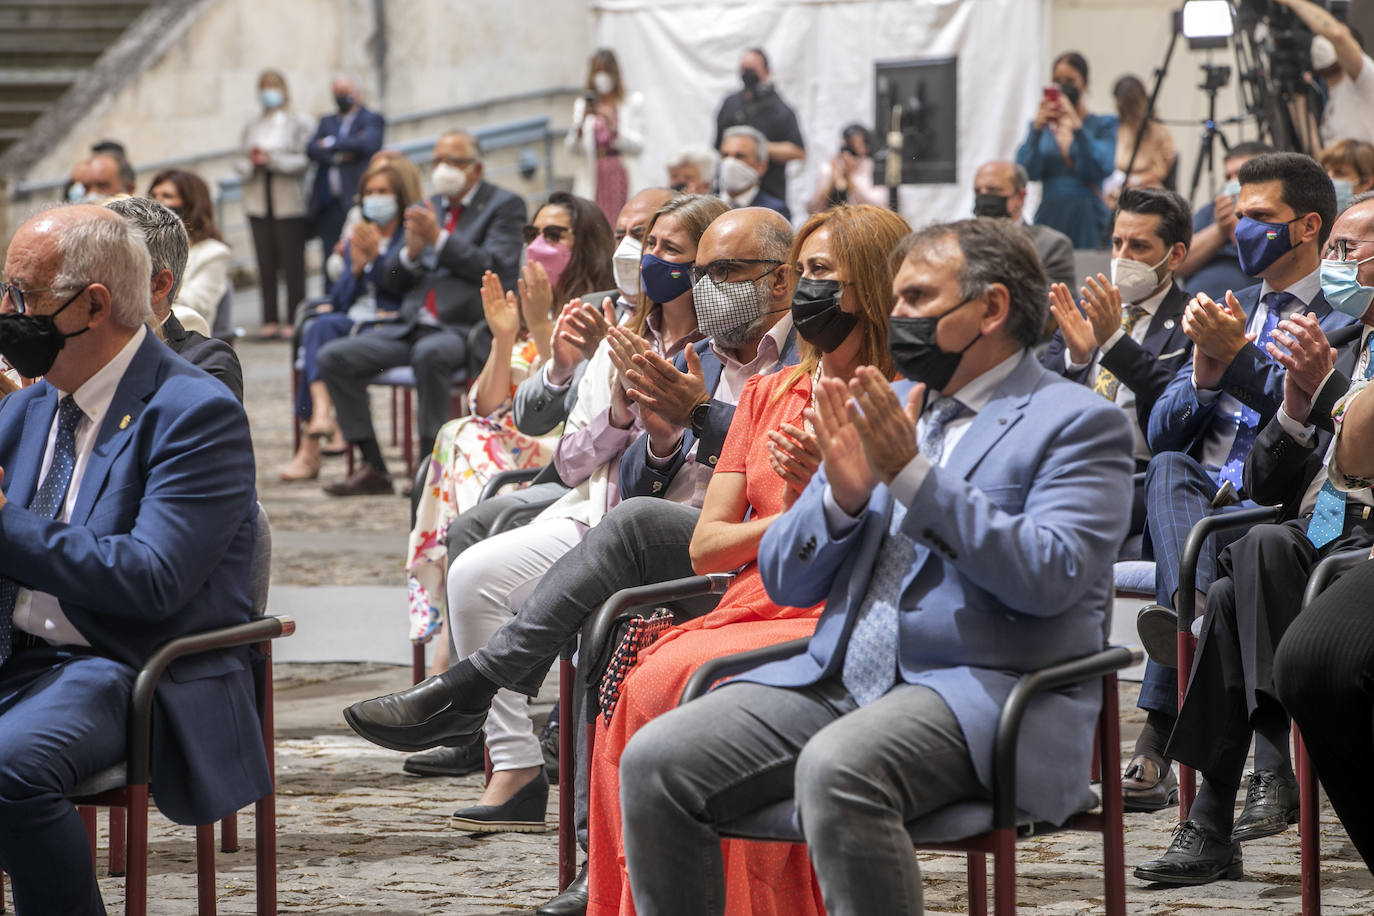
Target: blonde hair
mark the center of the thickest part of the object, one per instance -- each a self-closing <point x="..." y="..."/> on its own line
<point x="403" y="177"/>
<point x="693" y="212"/>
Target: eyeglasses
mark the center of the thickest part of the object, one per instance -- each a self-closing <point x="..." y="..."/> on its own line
<point x="1339" y="249"/>
<point x="455" y="161"/>
<point x="552" y="234"/>
<point x="727" y="269"/>
<point x="16" y="295"/>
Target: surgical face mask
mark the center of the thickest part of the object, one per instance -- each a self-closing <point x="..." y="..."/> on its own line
<point x="817" y="316"/>
<point x="30" y="343"/>
<point x="1345" y="189"/>
<point x="449" y="180"/>
<point x="380" y="208"/>
<point x="1231" y="189"/>
<point x="727" y="311"/>
<point x="664" y="280"/>
<point x="1259" y="245"/>
<point x="553" y="255"/>
<point x="625" y="264"/>
<point x="603" y="82"/>
<point x="1136" y="280"/>
<point x="736" y="176"/>
<point x="271" y="98"/>
<point x="990" y="205"/>
<point x="76" y="193"/>
<point x="917" y="356"/>
<point x="1342" y="290"/>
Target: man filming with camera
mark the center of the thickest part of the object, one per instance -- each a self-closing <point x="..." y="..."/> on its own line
<point x="1345" y="69"/>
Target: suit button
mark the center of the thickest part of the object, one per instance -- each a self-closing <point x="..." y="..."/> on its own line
<point x="929" y="535"/>
<point x="712" y="460"/>
<point x="658" y="485"/>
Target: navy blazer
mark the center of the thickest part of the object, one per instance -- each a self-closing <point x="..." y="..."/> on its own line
<point x="350" y="153"/>
<point x="159" y="545"/>
<point x="378" y="274"/>
<point x="639" y="478"/>
<point x="1146" y="367"/>
<point x="1179" y="421"/>
<point x="1011" y="570"/>
<point x="776" y="204"/>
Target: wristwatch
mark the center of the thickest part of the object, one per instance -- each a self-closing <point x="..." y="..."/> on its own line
<point x="699" y="415"/>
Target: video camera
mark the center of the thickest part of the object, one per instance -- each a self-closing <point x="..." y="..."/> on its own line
<point x="1288" y="46"/>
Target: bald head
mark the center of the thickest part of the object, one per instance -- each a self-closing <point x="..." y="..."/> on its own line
<point x="1000" y="178"/>
<point x="751" y="234"/>
<point x="638" y="210"/>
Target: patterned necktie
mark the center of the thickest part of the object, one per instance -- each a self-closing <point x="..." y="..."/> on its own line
<point x="1106" y="383"/>
<point x="1328" y="515"/>
<point x="1247" y="425"/>
<point x="870" y="658"/>
<point x="50" y="496"/>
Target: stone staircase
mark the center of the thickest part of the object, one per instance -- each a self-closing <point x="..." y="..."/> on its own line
<point x="45" y="48"/>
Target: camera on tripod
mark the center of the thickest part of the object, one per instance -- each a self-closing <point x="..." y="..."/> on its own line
<point x="1288" y="45"/>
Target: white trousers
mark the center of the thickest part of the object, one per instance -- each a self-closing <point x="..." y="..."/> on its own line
<point x="486" y="586"/>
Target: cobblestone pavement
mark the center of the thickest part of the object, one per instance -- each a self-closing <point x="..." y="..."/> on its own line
<point x="355" y="834"/>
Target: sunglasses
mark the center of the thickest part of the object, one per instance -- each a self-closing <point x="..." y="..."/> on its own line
<point x="552" y="234"/>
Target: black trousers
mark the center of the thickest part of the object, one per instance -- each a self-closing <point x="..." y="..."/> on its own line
<point x="1257" y="594"/>
<point x="280" y="247"/>
<point x="1324" y="673"/>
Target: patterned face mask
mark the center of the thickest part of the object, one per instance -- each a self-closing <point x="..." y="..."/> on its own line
<point x="728" y="311"/>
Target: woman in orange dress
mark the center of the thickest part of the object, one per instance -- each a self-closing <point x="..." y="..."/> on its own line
<point x="840" y="311"/>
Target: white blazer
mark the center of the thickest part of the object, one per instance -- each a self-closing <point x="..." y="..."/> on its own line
<point x="205" y="280"/>
<point x="629" y="142"/>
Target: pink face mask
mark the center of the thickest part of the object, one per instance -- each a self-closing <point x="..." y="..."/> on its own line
<point x="553" y="255"/>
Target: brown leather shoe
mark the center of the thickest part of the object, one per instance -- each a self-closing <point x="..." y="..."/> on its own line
<point x="1157" y="627"/>
<point x="366" y="481"/>
<point x="1145" y="788"/>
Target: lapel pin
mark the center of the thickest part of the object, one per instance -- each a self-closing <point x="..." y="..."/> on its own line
<point x="1169" y="323"/>
<point x="124" y="423"/>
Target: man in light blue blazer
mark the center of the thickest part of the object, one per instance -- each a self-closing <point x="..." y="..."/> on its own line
<point x="126" y="519"/>
<point x="958" y="541"/>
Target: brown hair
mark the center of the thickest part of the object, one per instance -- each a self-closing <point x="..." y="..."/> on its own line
<point x="861" y="240"/>
<point x="693" y="212"/>
<point x="1354" y="155"/>
<point x="589" y="268"/>
<point x="403" y="177"/>
<point x="1131" y="103"/>
<point x="275" y="78"/>
<point x="605" y="59"/>
<point x="197" y="210"/>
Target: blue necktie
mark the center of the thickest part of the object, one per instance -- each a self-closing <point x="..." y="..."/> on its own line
<point x="1247" y="426"/>
<point x="870" y="658"/>
<point x="50" y="496"/>
<point x="1328" y="515"/>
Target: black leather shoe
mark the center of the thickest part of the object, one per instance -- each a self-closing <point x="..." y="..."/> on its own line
<point x="1145" y="787"/>
<point x="416" y="719"/>
<point x="1157" y="627"/>
<point x="1271" y="804"/>
<point x="1196" y="856"/>
<point x="572" y="902"/>
<point x="446" y="761"/>
<point x="523" y="812"/>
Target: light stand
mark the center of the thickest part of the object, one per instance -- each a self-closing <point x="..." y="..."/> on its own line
<point x="1215" y="76"/>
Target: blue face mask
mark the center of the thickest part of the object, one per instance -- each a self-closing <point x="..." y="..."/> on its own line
<point x="271" y="98"/>
<point x="1342" y="290"/>
<point x="664" y="281"/>
<point x="1259" y="245"/>
<point x="1344" y="191"/>
<point x="379" y="208"/>
<point x="76" y="193"/>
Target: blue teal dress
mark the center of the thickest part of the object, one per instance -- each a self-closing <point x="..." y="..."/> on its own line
<point x="1070" y="199"/>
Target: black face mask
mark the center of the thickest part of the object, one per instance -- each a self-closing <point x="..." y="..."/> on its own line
<point x="911" y="341"/>
<point x="680" y="186"/>
<point x="990" y="205"/>
<point x="817" y="316"/>
<point x="30" y="343"/>
<point x="1070" y="92"/>
<point x="344" y="103"/>
<point x="750" y="79"/>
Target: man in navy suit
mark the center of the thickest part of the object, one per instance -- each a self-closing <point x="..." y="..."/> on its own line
<point x="126" y="519"/>
<point x="1207" y="420"/>
<point x="451" y="240"/>
<point x="341" y="148"/>
<point x="743" y="163"/>
<point x="958" y="541"/>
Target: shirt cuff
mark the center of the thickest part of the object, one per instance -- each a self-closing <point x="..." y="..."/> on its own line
<point x="1204" y="395"/>
<point x="1114" y="339"/>
<point x="838" y="523"/>
<point x="909" y="479"/>
<point x="1302" y="432"/>
<point x="549" y="386"/>
<point x="406" y="261"/>
<point x="1072" y="366"/>
<point x="658" y="462"/>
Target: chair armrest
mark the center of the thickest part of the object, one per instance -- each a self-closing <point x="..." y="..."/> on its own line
<point x="522" y="514"/>
<point x="1074" y="671"/>
<point x="506" y="478"/>
<point x="145" y="683"/>
<point x="1185" y="603"/>
<point x="1329" y="568"/>
<point x="594" y="653"/>
<point x="738" y="663"/>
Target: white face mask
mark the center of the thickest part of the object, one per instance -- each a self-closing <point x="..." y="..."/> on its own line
<point x="1135" y="280"/>
<point x="603" y="83"/>
<point x="449" y="180"/>
<point x="625" y="262"/>
<point x="737" y="176"/>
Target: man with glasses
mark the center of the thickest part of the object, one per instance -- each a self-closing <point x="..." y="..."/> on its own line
<point x="1261" y="577"/>
<point x="469" y="227"/>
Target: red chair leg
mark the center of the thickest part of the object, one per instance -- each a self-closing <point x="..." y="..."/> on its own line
<point x="408" y="440"/>
<point x="205" y="870"/>
<point x="348" y="456"/>
<point x="1004" y="873"/>
<point x="229" y="833"/>
<point x="417" y="663"/>
<point x="265" y="811"/>
<point x="567" y="774"/>
<point x="88" y="819"/>
<point x="1309" y="828"/>
<point x="136" y="882"/>
<point x="1113" y="816"/>
<point x="977" y="884"/>
<point x="1187" y="782"/>
<point x="394" y="437"/>
<point x="118" y="860"/>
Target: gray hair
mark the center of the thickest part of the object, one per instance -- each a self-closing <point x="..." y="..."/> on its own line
<point x="110" y="252"/>
<point x="995" y="251"/>
<point x="1359" y="198"/>
<point x="703" y="158"/>
<point x="168" y="244"/>
<point x="753" y="133"/>
<point x="1019" y="177"/>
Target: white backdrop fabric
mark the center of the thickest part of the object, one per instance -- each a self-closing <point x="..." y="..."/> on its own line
<point x="684" y="57"/>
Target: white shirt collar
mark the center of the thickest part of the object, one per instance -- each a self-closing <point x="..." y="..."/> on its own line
<point x="1152" y="304"/>
<point x="1305" y="289"/>
<point x="466" y="200"/>
<point x="979" y="391"/>
<point x="96" y="393"/>
<point x="769" y="351"/>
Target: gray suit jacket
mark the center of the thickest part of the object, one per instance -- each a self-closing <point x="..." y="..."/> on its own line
<point x="537" y="409"/>
<point x="1056" y="254"/>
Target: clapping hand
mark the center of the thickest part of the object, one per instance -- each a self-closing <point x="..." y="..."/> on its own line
<point x="656" y="384"/>
<point x="794" y="454"/>
<point x="1308" y="359"/>
<point x="886" y="428"/>
<point x="577" y="332"/>
<point x="500" y="309"/>
<point x="1218" y="331"/>
<point x="422" y="228"/>
<point x="1102" y="304"/>
<point x="624" y="346"/>
<point x="536" y="294"/>
<point x="364" y="242"/>
<point x="1073" y="325"/>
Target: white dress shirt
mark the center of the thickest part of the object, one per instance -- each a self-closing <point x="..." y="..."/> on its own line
<point x="39" y="613"/>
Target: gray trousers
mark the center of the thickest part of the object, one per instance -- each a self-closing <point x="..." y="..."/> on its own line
<point x="348" y="364"/>
<point x="857" y="774"/>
